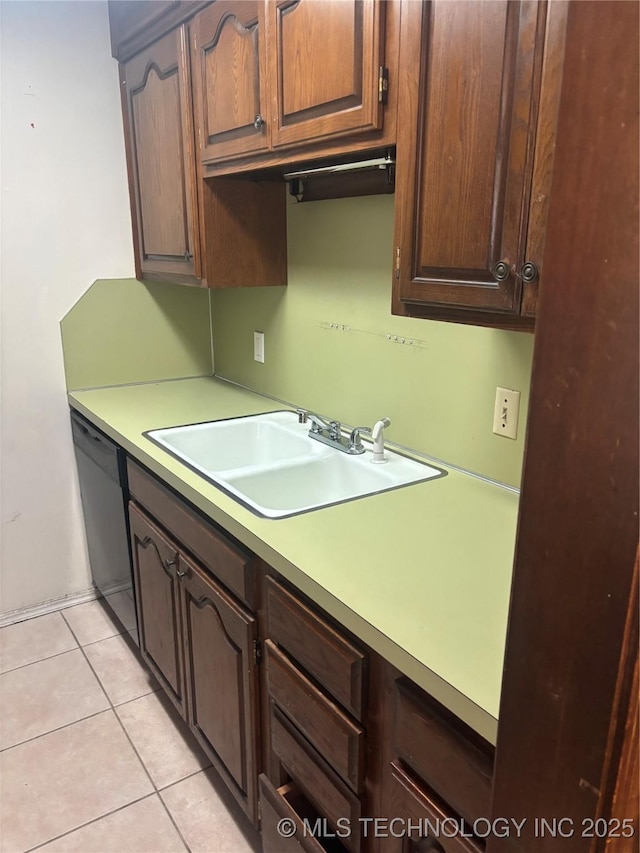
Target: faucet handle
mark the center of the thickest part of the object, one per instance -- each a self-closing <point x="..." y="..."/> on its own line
<point x="355" y="444"/>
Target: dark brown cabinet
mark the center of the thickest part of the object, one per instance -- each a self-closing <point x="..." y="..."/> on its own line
<point x="479" y="89"/>
<point x="156" y="90"/>
<point x="315" y="754"/>
<point x="155" y="568"/>
<point x="187" y="230"/>
<point x="426" y="825"/>
<point x="221" y="689"/>
<point x="198" y="640"/>
<point x="229" y="79"/>
<point x="324" y="62"/>
<point x="436" y="773"/>
<point x="290" y="74"/>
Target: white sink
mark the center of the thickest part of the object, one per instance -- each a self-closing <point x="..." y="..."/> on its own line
<point x="269" y="463"/>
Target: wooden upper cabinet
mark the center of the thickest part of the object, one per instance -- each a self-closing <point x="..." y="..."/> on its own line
<point x="466" y="149"/>
<point x="229" y="79"/>
<point x="162" y="175"/>
<point x="324" y="62"/>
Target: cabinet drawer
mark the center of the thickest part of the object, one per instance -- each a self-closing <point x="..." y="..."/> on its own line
<point x="231" y="565"/>
<point x="455" y="767"/>
<point x="336" y="737"/>
<point x="317" y="781"/>
<point x="326" y="655"/>
<point x="432" y="827"/>
<point x="284" y="802"/>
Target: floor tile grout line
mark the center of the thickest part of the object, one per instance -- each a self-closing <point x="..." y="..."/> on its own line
<point x="102" y="639"/>
<point x="135" y="699"/>
<point x="56" y="729"/>
<point x="133" y="747"/>
<point x="172" y="819"/>
<point x="184" y="778"/>
<point x="93" y="820"/>
<point x="40" y="660"/>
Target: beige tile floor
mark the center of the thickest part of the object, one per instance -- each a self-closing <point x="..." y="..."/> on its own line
<point x="94" y="759"/>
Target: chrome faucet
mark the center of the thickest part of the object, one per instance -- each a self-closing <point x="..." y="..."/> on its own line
<point x="329" y="432"/>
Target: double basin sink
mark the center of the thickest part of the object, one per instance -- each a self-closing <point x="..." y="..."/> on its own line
<point x="269" y="463"/>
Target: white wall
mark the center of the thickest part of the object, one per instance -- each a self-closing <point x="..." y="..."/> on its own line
<point x="65" y="222"/>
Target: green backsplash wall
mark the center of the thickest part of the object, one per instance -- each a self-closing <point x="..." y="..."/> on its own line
<point x="438" y="391"/>
<point x="123" y="330"/>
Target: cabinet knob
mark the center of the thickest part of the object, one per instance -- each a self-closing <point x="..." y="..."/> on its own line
<point x="501" y="271"/>
<point x="181" y="575"/>
<point x="169" y="563"/>
<point x="258" y="122"/>
<point x="188" y="256"/>
<point x="529" y="271"/>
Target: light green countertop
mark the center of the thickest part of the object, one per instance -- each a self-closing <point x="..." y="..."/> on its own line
<point x="421" y="574"/>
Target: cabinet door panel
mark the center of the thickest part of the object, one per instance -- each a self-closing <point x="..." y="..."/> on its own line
<point x="221" y="691"/>
<point x="162" y="165"/>
<point x="466" y="134"/>
<point x="324" y="58"/>
<point x="155" y="562"/>
<point x="423" y="818"/>
<point x="228" y="79"/>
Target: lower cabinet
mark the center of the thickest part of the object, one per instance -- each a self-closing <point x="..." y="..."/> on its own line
<point x="315" y="728"/>
<point x="300" y="720"/>
<point x="221" y="679"/>
<point x="201" y="645"/>
<point x="155" y="576"/>
<point x="419" y="824"/>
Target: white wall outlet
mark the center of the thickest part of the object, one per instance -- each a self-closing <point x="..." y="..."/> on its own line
<point x="505" y="414"/>
<point x="258" y="347"/>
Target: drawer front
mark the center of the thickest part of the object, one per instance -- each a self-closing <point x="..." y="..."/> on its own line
<point x="430" y="828"/>
<point x="336" y="737"/>
<point x="231" y="565"/>
<point x="457" y="769"/>
<point x="276" y="804"/>
<point x="327" y="656"/>
<point x="322" y="787"/>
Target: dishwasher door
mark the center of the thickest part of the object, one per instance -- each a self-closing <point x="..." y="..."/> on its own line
<point x="102" y="474"/>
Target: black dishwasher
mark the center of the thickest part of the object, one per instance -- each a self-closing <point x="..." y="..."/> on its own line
<point x="102" y="472"/>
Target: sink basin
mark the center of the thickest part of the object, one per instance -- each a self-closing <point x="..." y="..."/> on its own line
<point x="269" y="463"/>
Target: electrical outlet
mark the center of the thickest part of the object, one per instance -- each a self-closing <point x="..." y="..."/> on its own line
<point x="505" y="413"/>
<point x="258" y="347"/>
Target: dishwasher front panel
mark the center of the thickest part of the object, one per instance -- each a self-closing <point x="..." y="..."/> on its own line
<point x="102" y="474"/>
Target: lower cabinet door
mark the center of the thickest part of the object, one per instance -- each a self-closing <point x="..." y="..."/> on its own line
<point x="219" y="640"/>
<point x="419" y="824"/>
<point x="285" y="825"/>
<point x="155" y="570"/>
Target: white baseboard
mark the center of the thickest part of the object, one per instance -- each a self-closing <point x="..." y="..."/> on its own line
<point x="10" y="617"/>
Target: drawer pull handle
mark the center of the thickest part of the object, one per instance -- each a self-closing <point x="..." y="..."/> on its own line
<point x="258" y="122"/>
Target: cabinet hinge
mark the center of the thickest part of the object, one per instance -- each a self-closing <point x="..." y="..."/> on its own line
<point x="383" y="84"/>
<point x="257" y="652"/>
<point x="259" y="809"/>
<point x="398" y="262"/>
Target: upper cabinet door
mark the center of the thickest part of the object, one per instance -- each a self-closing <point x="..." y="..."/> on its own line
<point x="161" y="160"/>
<point x="229" y="80"/>
<point x="466" y="136"/>
<point x="324" y="64"/>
